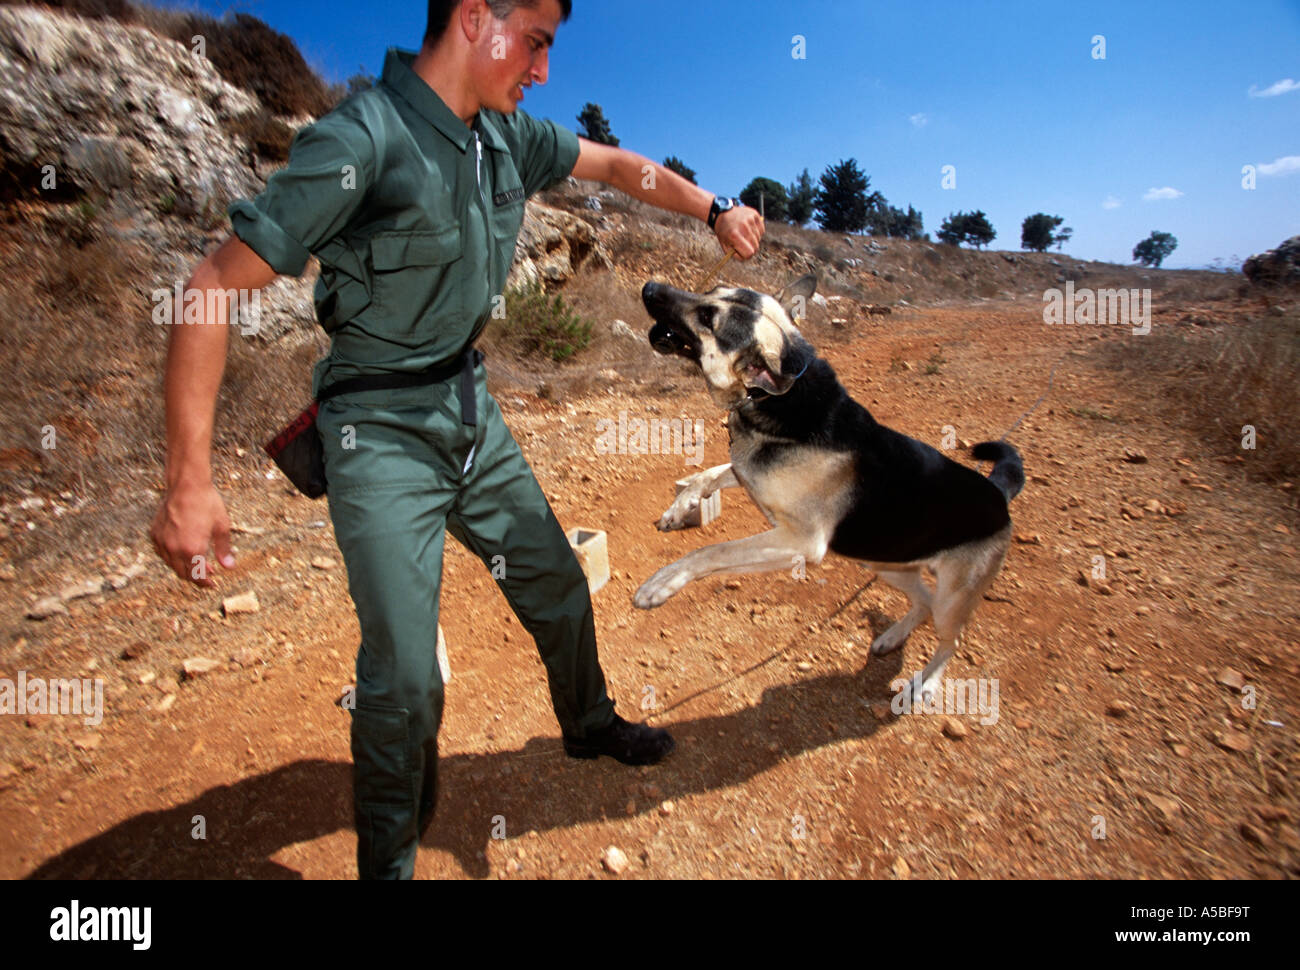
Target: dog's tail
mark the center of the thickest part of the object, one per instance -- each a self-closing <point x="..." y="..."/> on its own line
<point x="1008" y="470"/>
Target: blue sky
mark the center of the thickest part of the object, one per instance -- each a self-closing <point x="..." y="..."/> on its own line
<point x="1008" y="93"/>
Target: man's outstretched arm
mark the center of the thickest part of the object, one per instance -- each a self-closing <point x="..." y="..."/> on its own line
<point x="740" y="229"/>
<point x="192" y="515"/>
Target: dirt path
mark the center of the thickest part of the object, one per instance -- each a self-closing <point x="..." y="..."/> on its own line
<point x="1112" y="715"/>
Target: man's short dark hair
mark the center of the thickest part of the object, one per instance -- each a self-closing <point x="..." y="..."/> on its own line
<point x="440" y="13"/>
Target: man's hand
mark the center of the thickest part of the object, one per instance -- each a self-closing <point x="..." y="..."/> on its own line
<point x="740" y="229"/>
<point x="192" y="514"/>
<point x="192" y="517"/>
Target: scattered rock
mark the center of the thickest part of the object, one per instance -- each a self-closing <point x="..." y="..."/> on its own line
<point x="954" y="728"/>
<point x="135" y="650"/>
<point x="197" y="666"/>
<point x="323" y="562"/>
<point x="1231" y="678"/>
<point x="46" y="607"/>
<point x="243" y="603"/>
<point x="901" y="869"/>
<point x="1168" y="808"/>
<point x="165" y="704"/>
<point x="87" y="587"/>
<point x="1119" y="708"/>
<point x="88" y="743"/>
<point x="1135" y="457"/>
<point x="1231" y="740"/>
<point x="7" y="573"/>
<point x="614" y="860"/>
<point x="667" y="808"/>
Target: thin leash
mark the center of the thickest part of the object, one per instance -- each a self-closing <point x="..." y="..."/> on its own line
<point x="709" y="276"/>
<point x="1050" y="378"/>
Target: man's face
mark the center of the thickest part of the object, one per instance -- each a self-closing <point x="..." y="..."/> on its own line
<point x="513" y="54"/>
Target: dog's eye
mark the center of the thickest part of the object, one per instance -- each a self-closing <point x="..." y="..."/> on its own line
<point x="706" y="316"/>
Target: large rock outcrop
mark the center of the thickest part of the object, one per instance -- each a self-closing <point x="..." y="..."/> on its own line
<point x="1280" y="265"/>
<point x="149" y="131"/>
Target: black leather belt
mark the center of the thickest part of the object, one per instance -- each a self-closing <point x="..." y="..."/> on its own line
<point x="463" y="365"/>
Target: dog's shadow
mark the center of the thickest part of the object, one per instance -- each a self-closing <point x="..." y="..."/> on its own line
<point x="533" y="788"/>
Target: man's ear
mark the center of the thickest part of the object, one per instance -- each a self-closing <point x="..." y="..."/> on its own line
<point x="475" y="18"/>
<point x="795" y="295"/>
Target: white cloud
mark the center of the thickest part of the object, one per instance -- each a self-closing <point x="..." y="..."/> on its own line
<point x="1111" y="203"/>
<point x="1154" y="195"/>
<point x="918" y="120"/>
<point x="1281" y="87"/>
<point x="1281" y="166"/>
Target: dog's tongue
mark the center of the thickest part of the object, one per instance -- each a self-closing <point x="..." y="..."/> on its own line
<point x="760" y="377"/>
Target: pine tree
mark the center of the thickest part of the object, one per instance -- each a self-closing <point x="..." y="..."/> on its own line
<point x="767" y="195"/>
<point x="595" y="125"/>
<point x="675" y="164"/>
<point x="842" y="202"/>
<point x="801" y="198"/>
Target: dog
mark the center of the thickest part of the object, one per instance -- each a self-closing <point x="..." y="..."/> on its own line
<point x="826" y="474"/>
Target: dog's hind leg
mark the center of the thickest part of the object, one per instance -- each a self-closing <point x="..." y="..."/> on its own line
<point x="910" y="582"/>
<point x="961" y="577"/>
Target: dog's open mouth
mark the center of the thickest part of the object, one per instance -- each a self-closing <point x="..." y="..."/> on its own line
<point x="671" y="340"/>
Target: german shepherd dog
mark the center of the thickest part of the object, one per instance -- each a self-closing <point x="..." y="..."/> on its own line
<point x="826" y="474"/>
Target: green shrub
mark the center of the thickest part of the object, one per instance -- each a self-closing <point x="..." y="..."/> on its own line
<point x="545" y="324"/>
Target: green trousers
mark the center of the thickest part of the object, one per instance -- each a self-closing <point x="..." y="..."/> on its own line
<point x="403" y="467"/>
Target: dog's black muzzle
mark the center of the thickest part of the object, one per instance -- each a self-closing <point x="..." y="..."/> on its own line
<point x="668" y="337"/>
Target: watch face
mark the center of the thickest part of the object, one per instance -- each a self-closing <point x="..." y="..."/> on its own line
<point x="726" y="204"/>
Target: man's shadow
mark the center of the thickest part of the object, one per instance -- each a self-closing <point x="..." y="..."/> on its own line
<point x="533" y="788"/>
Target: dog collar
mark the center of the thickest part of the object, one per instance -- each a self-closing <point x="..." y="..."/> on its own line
<point x="749" y="391"/>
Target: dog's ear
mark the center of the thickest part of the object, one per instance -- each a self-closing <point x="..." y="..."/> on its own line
<point x="796" y="294"/>
<point x="776" y="372"/>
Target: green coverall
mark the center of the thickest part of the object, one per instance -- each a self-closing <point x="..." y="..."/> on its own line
<point x="414" y="216"/>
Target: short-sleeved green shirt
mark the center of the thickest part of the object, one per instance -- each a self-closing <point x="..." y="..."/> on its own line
<point x="412" y="214"/>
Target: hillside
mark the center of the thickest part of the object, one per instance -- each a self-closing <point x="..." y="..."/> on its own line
<point x="1121" y="696"/>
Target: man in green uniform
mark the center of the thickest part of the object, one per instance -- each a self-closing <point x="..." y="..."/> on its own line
<point x="411" y="195"/>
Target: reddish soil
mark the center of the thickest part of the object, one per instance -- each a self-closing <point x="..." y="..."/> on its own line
<point x="789" y="763"/>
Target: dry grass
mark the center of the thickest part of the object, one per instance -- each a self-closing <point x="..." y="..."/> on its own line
<point x="82" y="400"/>
<point x="1225" y="376"/>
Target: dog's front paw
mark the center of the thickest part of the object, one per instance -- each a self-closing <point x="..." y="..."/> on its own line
<point x="890" y="640"/>
<point x="914" y="693"/>
<point x="680" y="511"/>
<point x="659" y="588"/>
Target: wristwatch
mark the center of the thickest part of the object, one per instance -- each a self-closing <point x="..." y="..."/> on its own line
<point x="721" y="205"/>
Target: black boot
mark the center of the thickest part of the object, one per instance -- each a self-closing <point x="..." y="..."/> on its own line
<point x="632" y="744"/>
